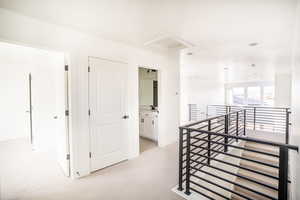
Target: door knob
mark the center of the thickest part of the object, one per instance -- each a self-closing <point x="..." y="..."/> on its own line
<point x="125" y="117"/>
<point x="55" y="117"/>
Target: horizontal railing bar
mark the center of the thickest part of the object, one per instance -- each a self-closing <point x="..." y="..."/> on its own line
<point x="193" y="148"/>
<point x="203" y="142"/>
<point x="210" y="190"/>
<point x="244" y="168"/>
<point x="269" y="120"/>
<point x="243" y="158"/>
<point x="220" y="130"/>
<point x="240" y="176"/>
<point x="205" y="120"/>
<point x="245" y="149"/>
<point x="212" y="123"/>
<point x="213" y="128"/>
<point x="279" y="115"/>
<point x="237" y="184"/>
<point x="273" y="126"/>
<point x="198" y="122"/>
<point x="212" y="156"/>
<point x="269" y="115"/>
<point x="198" y="153"/>
<point x="202" y="127"/>
<point x="267" y="124"/>
<point x="234" y="106"/>
<point x="293" y="147"/>
<point x="277" y="118"/>
<point x="220" y="186"/>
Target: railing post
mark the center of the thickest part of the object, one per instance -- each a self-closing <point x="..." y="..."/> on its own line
<point x="226" y="132"/>
<point x="283" y="174"/>
<point x="188" y="149"/>
<point x="180" y="158"/>
<point x="208" y="144"/>
<point x="254" y="118"/>
<point x="237" y="126"/>
<point x="287" y="126"/>
<point x="245" y="122"/>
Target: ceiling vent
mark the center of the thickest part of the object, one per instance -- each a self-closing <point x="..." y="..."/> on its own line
<point x="169" y="42"/>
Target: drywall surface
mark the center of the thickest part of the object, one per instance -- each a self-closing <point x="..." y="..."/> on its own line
<point x="282" y="90"/>
<point x="195" y="90"/>
<point x="79" y="46"/>
<point x="295" y="106"/>
<point x="14" y="66"/>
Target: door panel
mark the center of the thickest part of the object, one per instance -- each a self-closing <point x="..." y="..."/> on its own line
<point x="62" y="121"/>
<point x="107" y="81"/>
<point x="49" y="102"/>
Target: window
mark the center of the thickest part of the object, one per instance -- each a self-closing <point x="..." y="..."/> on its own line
<point x="268" y="96"/>
<point x="238" y="95"/>
<point x="254" y="95"/>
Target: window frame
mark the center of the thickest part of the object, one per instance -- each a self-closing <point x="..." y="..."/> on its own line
<point x="244" y="85"/>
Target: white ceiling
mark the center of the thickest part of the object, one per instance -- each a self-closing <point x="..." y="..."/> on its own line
<point x="220" y="30"/>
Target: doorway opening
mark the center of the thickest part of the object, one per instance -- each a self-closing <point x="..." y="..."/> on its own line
<point x="34" y="139"/>
<point x="148" y="108"/>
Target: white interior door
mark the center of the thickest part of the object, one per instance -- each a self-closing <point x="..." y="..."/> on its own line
<point x="49" y="103"/>
<point x="108" y="131"/>
<point x="62" y="120"/>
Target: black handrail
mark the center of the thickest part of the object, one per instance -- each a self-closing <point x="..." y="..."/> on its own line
<point x="201" y="142"/>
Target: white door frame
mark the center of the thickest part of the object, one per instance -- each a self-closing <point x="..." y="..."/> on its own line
<point x="67" y="95"/>
<point x="68" y="113"/>
<point x="158" y="102"/>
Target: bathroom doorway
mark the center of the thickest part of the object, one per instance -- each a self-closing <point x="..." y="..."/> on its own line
<point x="148" y="108"/>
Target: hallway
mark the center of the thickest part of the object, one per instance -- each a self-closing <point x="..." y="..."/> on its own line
<point x="30" y="175"/>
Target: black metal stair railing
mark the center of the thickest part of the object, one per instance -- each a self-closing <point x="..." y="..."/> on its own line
<point x="200" y="146"/>
<point x="270" y="119"/>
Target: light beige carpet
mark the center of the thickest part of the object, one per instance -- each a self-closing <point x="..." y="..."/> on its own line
<point x="146" y="144"/>
<point x="27" y="175"/>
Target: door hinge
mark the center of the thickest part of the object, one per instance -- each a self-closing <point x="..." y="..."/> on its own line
<point x="66" y="67"/>
<point x="89" y="69"/>
<point x="67" y="112"/>
<point x="89" y="112"/>
<point x="68" y="156"/>
<point x="90" y="154"/>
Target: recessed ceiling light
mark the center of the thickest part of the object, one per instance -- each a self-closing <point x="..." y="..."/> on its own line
<point x="253" y="44"/>
<point x="189" y="53"/>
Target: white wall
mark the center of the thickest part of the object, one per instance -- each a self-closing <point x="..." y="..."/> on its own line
<point x="146" y="86"/>
<point x="202" y="82"/>
<point x="195" y="90"/>
<point x="169" y="100"/>
<point x="29" y="31"/>
<point x="295" y="134"/>
<point x="14" y="66"/>
<point x="282" y="90"/>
